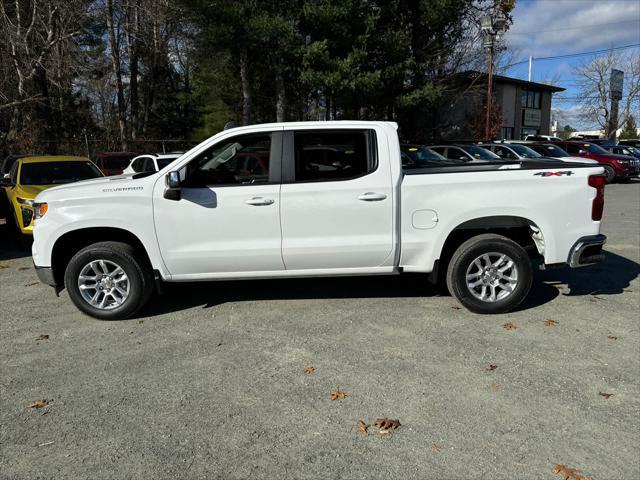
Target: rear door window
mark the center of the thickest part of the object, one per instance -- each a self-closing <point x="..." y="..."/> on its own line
<point x="334" y="155"/>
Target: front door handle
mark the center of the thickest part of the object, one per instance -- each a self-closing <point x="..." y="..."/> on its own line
<point x="257" y="201"/>
<point x="372" y="197"/>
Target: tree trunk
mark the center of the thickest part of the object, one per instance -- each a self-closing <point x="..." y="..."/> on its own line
<point x="281" y="97"/>
<point x="133" y="32"/>
<point x="117" y="72"/>
<point x="245" y="79"/>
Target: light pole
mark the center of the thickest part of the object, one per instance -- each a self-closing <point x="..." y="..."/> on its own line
<point x="491" y="26"/>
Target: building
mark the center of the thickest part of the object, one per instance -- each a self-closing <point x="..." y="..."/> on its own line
<point x="525" y="107"/>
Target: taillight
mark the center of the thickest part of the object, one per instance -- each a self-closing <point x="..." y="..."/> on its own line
<point x="597" y="182"/>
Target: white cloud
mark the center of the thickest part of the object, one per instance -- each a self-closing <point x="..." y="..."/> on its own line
<point x="543" y="28"/>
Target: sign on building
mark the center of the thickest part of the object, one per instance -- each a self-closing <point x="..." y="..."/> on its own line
<point x="617" y="80"/>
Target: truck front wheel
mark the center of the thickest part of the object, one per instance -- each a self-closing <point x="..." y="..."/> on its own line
<point x="490" y="274"/>
<point x="106" y="281"/>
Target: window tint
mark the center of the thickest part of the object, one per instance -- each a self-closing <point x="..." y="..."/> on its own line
<point x="327" y="155"/>
<point x="13" y="173"/>
<point x="478" y="152"/>
<point x="148" y="165"/>
<point x="137" y="164"/>
<point x="163" y="162"/>
<point x="237" y="161"/>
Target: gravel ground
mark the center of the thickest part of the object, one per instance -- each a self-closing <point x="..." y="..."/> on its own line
<point x="208" y="381"/>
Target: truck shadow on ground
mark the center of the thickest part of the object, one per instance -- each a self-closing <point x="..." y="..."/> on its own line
<point x="608" y="278"/>
<point x="10" y="246"/>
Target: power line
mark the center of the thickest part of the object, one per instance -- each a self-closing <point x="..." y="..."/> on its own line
<point x="573" y="28"/>
<point x="570" y="55"/>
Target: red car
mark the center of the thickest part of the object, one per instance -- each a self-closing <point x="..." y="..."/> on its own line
<point x="616" y="167"/>
<point x="113" y="163"/>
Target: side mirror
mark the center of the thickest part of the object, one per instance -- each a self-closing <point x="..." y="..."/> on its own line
<point x="6" y="182"/>
<point x="172" y="181"/>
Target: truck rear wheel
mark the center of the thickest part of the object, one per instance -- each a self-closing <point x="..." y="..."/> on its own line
<point x="490" y="274"/>
<point x="105" y="280"/>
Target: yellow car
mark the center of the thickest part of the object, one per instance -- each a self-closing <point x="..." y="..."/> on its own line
<point x="31" y="175"/>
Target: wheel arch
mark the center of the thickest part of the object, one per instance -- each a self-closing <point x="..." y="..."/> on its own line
<point x="70" y="243"/>
<point x="519" y="229"/>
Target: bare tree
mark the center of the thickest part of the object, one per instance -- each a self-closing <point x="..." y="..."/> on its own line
<point x="594" y="87"/>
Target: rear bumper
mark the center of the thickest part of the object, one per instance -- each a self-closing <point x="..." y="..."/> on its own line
<point x="587" y="251"/>
<point x="45" y="275"/>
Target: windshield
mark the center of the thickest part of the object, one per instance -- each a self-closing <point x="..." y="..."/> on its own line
<point x="525" y="152"/>
<point x="593" y="148"/>
<point x="551" y="151"/>
<point x="421" y="154"/>
<point x="50" y="173"/>
<point x="163" y="162"/>
<point x="479" y="152"/>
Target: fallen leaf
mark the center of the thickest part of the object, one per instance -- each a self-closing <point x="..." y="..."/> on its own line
<point x="598" y="298"/>
<point x="31" y="284"/>
<point x="140" y="321"/>
<point x="605" y="395"/>
<point x="2" y="265"/>
<point x="568" y="473"/>
<point x="550" y="323"/>
<point x="309" y="369"/>
<point x="435" y="448"/>
<point x="592" y="300"/>
<point x="455" y="307"/>
<point x="22" y="269"/>
<point x="42" y="337"/>
<point x="491" y="367"/>
<point x="495" y="386"/>
<point x="611" y="337"/>
<point x="628" y="290"/>
<point x="362" y="427"/>
<point x="337" y="394"/>
<point x="39" y="404"/>
<point x="509" y="326"/>
<point x="386" y="425"/>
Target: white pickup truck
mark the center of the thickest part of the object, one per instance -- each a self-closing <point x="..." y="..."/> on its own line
<point x="316" y="199"/>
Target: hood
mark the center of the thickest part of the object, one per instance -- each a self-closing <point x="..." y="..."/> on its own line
<point x="31" y="191"/>
<point x="578" y="160"/>
<point x="90" y="186"/>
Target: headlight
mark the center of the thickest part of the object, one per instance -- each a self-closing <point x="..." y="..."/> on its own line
<point x="25" y="201"/>
<point x="41" y="209"/>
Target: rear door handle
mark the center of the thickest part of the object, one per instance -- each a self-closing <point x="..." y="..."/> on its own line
<point x="257" y="201"/>
<point x="372" y="197"/>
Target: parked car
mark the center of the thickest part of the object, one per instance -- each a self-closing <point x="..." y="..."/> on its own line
<point x="151" y="162"/>
<point x="419" y="156"/>
<point x="31" y="175"/>
<point x="360" y="214"/>
<point x="113" y="163"/>
<point x="550" y="150"/>
<point x="512" y="151"/>
<point x="616" y="166"/>
<point x="623" y="150"/>
<point x="541" y="138"/>
<point x="466" y="153"/>
<point x="631" y="142"/>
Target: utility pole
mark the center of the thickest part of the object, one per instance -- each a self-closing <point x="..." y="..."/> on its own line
<point x="492" y="26"/>
<point x="615" y="92"/>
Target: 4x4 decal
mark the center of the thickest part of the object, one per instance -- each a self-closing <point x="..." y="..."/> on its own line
<point x="568" y="173"/>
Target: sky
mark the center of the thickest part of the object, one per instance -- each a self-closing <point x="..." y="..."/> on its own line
<point x="544" y="28"/>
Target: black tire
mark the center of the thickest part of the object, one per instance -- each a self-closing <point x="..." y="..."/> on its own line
<point x="609" y="173"/>
<point x="138" y="271"/>
<point x="473" y="248"/>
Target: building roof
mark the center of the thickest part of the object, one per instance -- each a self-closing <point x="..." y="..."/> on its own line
<point x="474" y="74"/>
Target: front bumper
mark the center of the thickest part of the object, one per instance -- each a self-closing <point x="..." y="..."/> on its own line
<point x="45" y="275"/>
<point x="587" y="251"/>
